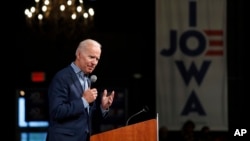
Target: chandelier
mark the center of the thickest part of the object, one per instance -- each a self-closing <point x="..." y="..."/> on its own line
<point x="55" y="18"/>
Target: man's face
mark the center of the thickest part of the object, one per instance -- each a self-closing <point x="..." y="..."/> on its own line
<point x="89" y="59"/>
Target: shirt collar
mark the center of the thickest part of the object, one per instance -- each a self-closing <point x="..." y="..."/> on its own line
<point x="77" y="70"/>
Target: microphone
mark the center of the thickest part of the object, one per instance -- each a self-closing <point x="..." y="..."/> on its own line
<point x="93" y="79"/>
<point x="145" y="109"/>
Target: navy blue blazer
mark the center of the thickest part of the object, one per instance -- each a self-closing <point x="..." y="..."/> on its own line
<point x="69" y="120"/>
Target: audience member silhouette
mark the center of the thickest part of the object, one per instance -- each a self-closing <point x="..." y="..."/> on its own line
<point x="163" y="134"/>
<point x="187" y="132"/>
<point x="204" y="134"/>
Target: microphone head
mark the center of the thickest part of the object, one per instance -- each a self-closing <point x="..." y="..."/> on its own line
<point x="145" y="109"/>
<point x="93" y="78"/>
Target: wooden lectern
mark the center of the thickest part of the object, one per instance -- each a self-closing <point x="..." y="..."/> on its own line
<point x="142" y="131"/>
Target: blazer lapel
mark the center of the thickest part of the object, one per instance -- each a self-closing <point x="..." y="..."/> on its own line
<point x="77" y="84"/>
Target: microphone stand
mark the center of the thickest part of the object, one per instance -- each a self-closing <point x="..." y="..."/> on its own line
<point x="143" y="110"/>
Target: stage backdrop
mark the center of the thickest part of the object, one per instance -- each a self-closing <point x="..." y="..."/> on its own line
<point x="191" y="65"/>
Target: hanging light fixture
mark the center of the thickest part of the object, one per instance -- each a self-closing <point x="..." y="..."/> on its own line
<point x="59" y="17"/>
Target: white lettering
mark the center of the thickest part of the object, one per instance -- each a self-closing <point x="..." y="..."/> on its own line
<point x="240" y="132"/>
